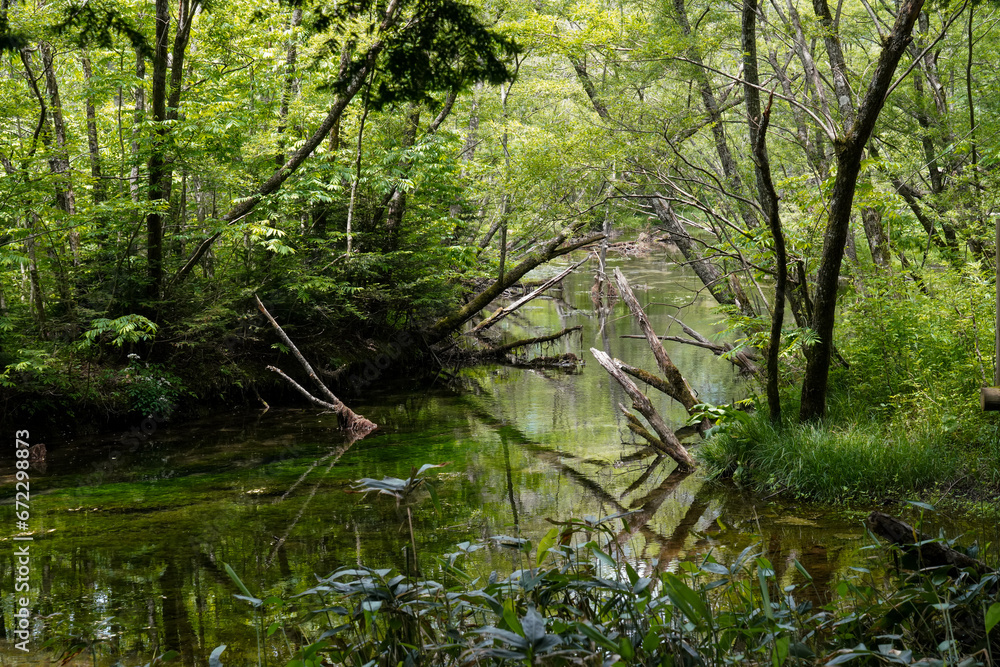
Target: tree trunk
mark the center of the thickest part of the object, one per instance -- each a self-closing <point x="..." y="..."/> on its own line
<point x="159" y="173"/>
<point x="288" y="90"/>
<point x="770" y="199"/>
<point x="59" y="160"/>
<point x="850" y="149"/>
<point x="98" y="190"/>
<point x="680" y="389"/>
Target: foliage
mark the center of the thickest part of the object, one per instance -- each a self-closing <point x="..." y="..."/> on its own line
<point x="579" y="599"/>
<point x="125" y="329"/>
<point x="149" y="388"/>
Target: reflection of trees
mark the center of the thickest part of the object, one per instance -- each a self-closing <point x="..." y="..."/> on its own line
<point x="641" y="511"/>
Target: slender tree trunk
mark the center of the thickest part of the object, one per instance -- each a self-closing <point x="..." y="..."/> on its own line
<point x="138" y="117"/>
<point x="99" y="193"/>
<point x="158" y="193"/>
<point x="850" y="149"/>
<point x="59" y="161"/>
<point x="288" y="90"/>
<point x="729" y="167"/>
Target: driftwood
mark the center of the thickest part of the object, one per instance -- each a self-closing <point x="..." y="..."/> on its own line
<point x="652" y="380"/>
<point x="636" y="427"/>
<point x="679" y="388"/>
<point x="507" y="310"/>
<point x="353" y="422"/>
<point x="929" y="553"/>
<point x="672" y="447"/>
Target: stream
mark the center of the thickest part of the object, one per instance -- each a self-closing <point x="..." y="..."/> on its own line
<point x="130" y="542"/>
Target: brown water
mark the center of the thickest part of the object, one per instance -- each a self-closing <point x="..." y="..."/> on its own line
<point x="130" y="542"/>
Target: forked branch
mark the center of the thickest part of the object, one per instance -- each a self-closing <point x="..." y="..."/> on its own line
<point x="353" y="422"/>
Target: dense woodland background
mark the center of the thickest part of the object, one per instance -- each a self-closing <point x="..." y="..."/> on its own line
<point x="371" y="168"/>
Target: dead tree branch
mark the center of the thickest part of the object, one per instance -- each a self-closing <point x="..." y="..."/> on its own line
<point x="672" y="447"/>
<point x="353" y="422"/>
<point x="680" y="389"/>
<point x="507" y="310"/>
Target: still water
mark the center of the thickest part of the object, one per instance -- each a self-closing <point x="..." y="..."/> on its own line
<point x="130" y="547"/>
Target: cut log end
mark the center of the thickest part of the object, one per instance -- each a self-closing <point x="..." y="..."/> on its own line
<point x="989" y="399"/>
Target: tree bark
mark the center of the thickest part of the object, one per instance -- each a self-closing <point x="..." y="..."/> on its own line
<point x="680" y="389"/>
<point x="59" y="160"/>
<point x="850" y="149"/>
<point x="99" y="193"/>
<point x="288" y="90"/>
<point x="158" y="193"/>
<point x="770" y="203"/>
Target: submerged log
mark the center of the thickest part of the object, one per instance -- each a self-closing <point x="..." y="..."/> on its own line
<point x="524" y="342"/>
<point x="567" y="360"/>
<point x="672" y="447"/>
<point x="353" y="422"/>
<point x="929" y="553"/>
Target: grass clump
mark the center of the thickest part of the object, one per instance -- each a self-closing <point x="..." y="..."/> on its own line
<point x="864" y="460"/>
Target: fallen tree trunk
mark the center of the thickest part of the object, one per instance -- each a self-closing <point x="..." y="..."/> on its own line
<point x="679" y="388"/>
<point x="929" y="553"/>
<point x="353" y="422"/>
<point x="647" y="377"/>
<point x="672" y="447"/>
<point x="524" y="342"/>
<point x="636" y="427"/>
<point x="507" y="310"/>
<point x="448" y="324"/>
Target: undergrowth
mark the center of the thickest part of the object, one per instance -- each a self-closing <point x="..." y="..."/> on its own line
<point x="580" y="600"/>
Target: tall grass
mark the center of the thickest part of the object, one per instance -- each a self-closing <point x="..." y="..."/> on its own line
<point x="830" y="462"/>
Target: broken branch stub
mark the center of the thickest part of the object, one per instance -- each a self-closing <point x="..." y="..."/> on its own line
<point x="672" y="447"/>
<point x="353" y="422"/>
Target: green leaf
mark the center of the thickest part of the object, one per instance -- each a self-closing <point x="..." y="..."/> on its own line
<point x="992" y="616"/>
<point x="546" y="543"/>
<point x="213" y="660"/>
<point x="239" y="582"/>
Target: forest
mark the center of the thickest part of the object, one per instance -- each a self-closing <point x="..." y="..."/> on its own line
<point x="213" y="208"/>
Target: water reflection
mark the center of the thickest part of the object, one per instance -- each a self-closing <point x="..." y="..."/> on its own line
<point x="132" y="545"/>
